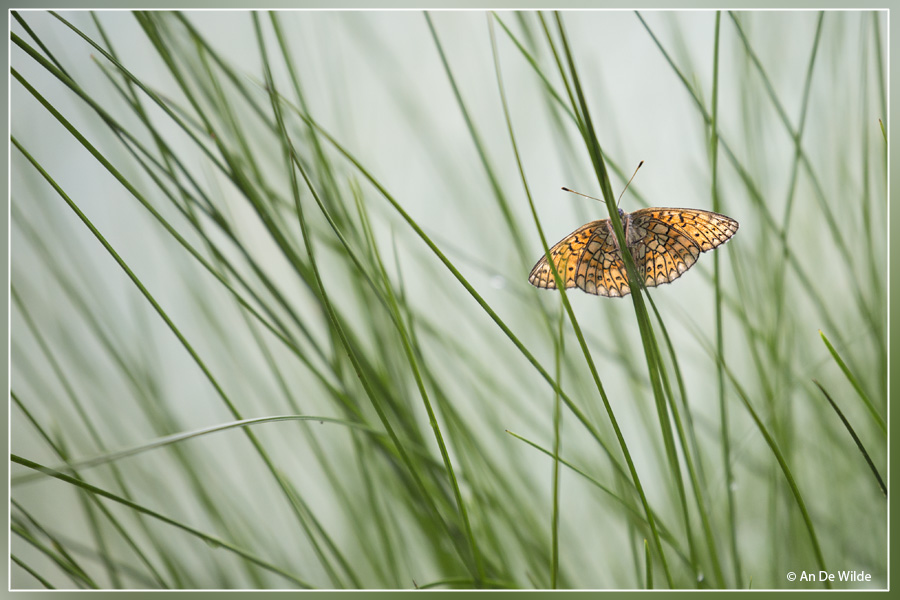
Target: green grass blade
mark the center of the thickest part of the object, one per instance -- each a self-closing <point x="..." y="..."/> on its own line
<point x="720" y="339"/>
<point x="31" y="572"/>
<point x="855" y="437"/>
<point x="795" y="491"/>
<point x="79" y="579"/>
<point x="855" y="383"/>
<point x="113" y="456"/>
<point x="557" y="445"/>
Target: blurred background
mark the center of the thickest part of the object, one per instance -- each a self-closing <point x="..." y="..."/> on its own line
<point x="163" y="289"/>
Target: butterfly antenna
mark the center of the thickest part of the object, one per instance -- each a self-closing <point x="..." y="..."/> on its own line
<point x="565" y="189"/>
<point x="629" y="183"/>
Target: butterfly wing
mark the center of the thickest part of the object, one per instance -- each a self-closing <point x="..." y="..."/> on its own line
<point x="565" y="255"/>
<point x="589" y="259"/>
<point x="666" y="242"/>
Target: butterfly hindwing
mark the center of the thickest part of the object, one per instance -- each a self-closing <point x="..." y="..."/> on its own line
<point x="588" y="259"/>
<point x="565" y="255"/>
<point x="601" y="270"/>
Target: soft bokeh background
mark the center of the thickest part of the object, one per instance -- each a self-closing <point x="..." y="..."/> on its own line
<point x="96" y="370"/>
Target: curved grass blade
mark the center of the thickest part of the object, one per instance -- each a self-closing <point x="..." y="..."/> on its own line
<point x="855" y="437"/>
<point x="855" y="383"/>
<point x="782" y="463"/>
<point x="109" y="457"/>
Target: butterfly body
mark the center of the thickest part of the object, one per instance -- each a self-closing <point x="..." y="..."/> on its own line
<point x="664" y="242"/>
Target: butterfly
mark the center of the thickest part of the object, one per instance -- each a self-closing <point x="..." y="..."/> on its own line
<point x="664" y="242"/>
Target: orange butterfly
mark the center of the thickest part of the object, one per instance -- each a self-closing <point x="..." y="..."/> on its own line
<point x="664" y="242"/>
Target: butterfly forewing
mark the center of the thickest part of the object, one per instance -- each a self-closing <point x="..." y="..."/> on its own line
<point x="668" y="241"/>
<point x="665" y="242"/>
